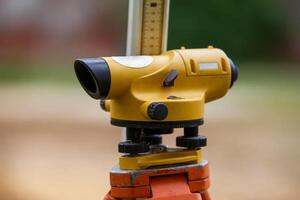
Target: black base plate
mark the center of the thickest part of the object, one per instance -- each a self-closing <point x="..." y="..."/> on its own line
<point x="157" y="124"/>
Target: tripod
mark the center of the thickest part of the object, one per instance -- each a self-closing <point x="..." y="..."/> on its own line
<point x="163" y="174"/>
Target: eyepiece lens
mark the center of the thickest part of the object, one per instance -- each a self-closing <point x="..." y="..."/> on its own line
<point x="85" y="77"/>
<point x="94" y="76"/>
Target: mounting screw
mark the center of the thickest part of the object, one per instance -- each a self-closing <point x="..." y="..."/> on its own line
<point x="157" y="111"/>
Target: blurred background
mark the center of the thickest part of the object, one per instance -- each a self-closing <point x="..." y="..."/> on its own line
<point x="56" y="143"/>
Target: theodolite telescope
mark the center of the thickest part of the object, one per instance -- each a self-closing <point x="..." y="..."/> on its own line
<point x="152" y="95"/>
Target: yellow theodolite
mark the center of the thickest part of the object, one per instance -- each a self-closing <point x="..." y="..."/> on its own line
<point x="152" y="95"/>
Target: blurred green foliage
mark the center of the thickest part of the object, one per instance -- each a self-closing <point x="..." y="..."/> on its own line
<point x="59" y="73"/>
<point x="245" y="30"/>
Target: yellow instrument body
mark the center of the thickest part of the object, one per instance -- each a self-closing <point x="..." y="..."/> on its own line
<point x="152" y="95"/>
<point x="138" y="87"/>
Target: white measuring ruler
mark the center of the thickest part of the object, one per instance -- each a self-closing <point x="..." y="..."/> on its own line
<point x="147" y="27"/>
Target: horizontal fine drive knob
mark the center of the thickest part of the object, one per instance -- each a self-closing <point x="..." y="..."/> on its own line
<point x="157" y="111"/>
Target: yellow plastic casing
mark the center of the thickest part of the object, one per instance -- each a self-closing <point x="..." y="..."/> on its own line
<point x="203" y="75"/>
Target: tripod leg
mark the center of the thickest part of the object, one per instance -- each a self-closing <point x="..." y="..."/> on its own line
<point x="171" y="187"/>
<point x="205" y="195"/>
<point x="108" y="197"/>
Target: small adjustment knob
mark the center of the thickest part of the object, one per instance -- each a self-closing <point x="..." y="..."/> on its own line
<point x="169" y="80"/>
<point x="157" y="111"/>
<point x="133" y="148"/>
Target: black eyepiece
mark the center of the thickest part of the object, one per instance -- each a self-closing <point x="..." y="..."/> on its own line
<point x="234" y="73"/>
<point x="94" y="76"/>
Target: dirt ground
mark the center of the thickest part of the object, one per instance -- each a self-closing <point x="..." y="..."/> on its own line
<point x="56" y="144"/>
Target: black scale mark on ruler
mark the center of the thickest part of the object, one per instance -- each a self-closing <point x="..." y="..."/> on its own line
<point x="153" y="4"/>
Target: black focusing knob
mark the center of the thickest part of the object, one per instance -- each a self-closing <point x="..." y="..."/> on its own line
<point x="157" y="111"/>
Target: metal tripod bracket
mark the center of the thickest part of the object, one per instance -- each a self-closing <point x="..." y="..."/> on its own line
<point x="169" y="182"/>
